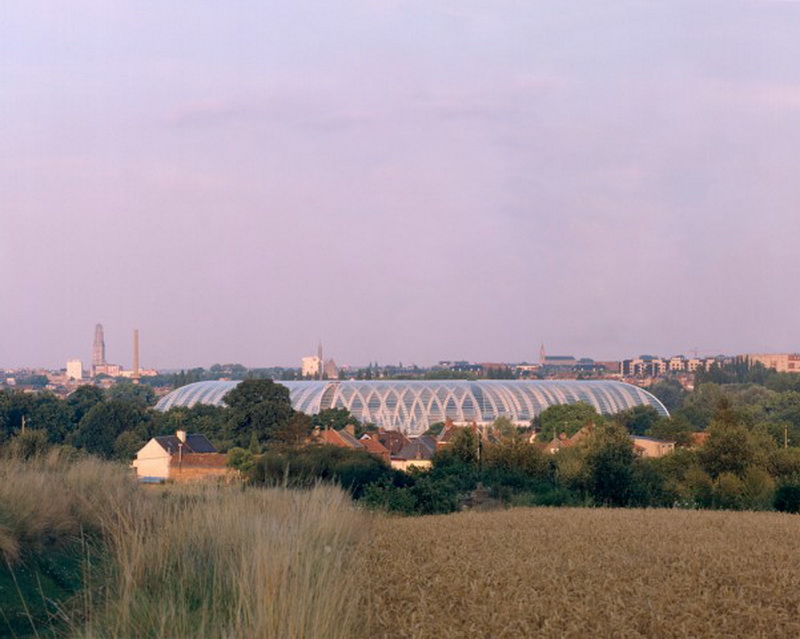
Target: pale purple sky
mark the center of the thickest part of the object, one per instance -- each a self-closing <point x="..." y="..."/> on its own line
<point x="407" y="180"/>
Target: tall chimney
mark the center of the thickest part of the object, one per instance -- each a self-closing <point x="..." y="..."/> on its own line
<point x="136" y="356"/>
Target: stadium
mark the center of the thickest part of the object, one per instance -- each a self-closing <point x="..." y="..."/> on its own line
<point x="412" y="406"/>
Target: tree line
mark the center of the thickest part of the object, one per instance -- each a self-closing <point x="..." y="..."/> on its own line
<point x="750" y="457"/>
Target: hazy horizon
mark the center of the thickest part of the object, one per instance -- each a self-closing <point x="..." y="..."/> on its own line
<point x="406" y="181"/>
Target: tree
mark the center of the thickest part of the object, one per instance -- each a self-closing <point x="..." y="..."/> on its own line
<point x="516" y="455"/>
<point x="260" y="407"/>
<point x="435" y="429"/>
<point x="211" y="421"/>
<point x="565" y="418"/>
<point x="639" y="419"/>
<point x="609" y="462"/>
<point x="674" y="429"/>
<point x="699" y="407"/>
<point x="52" y="416"/>
<point x="104" y="423"/>
<point x="295" y="431"/>
<point x="670" y="392"/>
<point x="727" y="450"/>
<point x="505" y="427"/>
<point x="334" y="418"/>
<point x="464" y="446"/>
<point x="82" y="399"/>
<point x="5" y="419"/>
<point x="128" y="443"/>
<point x="141" y="394"/>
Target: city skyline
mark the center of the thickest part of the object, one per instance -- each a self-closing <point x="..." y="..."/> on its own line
<point x="98" y="358"/>
<point x="409" y="182"/>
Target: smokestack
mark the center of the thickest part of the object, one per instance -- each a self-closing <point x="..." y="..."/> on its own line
<point x="136" y="356"/>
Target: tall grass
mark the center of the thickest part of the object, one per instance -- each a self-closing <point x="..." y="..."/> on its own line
<point x="223" y="562"/>
<point x="52" y="500"/>
<point x="195" y="561"/>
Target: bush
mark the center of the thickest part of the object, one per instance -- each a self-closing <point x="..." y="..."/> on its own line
<point x="425" y="494"/>
<point x="787" y="498"/>
<point x="352" y="469"/>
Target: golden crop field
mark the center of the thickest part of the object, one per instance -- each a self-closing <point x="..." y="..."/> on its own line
<point x="585" y="573"/>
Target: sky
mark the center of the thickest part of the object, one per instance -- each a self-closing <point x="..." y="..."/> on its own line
<point x="404" y="180"/>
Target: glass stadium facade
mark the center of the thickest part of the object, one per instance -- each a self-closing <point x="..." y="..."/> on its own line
<point x="412" y="406"/>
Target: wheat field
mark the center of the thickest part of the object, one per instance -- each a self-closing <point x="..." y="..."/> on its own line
<point x="585" y="573"/>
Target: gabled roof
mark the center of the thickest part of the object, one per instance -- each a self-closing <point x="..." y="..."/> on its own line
<point x="372" y="445"/>
<point x="340" y="438"/>
<point x="428" y="441"/>
<point x="349" y="439"/>
<point x="196" y="443"/>
<point x="415" y="449"/>
<point x="392" y="440"/>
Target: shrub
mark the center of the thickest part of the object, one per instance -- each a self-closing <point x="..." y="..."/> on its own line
<point x="787" y="498"/>
<point x="352" y="469"/>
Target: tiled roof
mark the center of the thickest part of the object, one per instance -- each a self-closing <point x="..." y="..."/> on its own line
<point x="415" y="449"/>
<point x="340" y="438"/>
<point x="373" y="446"/>
<point x="392" y="440"/>
<point x="194" y="444"/>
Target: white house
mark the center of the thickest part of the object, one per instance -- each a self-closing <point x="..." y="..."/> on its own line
<point x="179" y="457"/>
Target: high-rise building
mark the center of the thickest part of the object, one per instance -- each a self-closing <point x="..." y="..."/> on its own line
<point x="98" y="348"/>
<point x="75" y="369"/>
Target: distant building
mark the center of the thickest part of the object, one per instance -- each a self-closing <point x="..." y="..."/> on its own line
<point x="112" y="370"/>
<point x="611" y="367"/>
<point x="330" y="370"/>
<point x="75" y="369"/>
<point x="310" y="366"/>
<point x="412" y="406"/>
<point x="651" y="366"/>
<point x="559" y="363"/>
<point x="317" y="367"/>
<point x="417" y="453"/>
<point x="649" y="447"/>
<point x="143" y="372"/>
<point x="458" y="366"/>
<point x="780" y="362"/>
<point x="98" y="349"/>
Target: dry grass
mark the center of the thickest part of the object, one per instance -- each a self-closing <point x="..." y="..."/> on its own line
<point x="193" y="561"/>
<point x="586" y="573"/>
<point x="50" y="501"/>
<point x="223" y="562"/>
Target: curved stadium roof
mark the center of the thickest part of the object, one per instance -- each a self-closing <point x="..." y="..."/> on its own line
<point x="411" y="406"/>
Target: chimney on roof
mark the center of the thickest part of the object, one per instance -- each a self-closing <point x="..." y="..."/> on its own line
<point x="181" y="435"/>
<point x="350" y="429"/>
